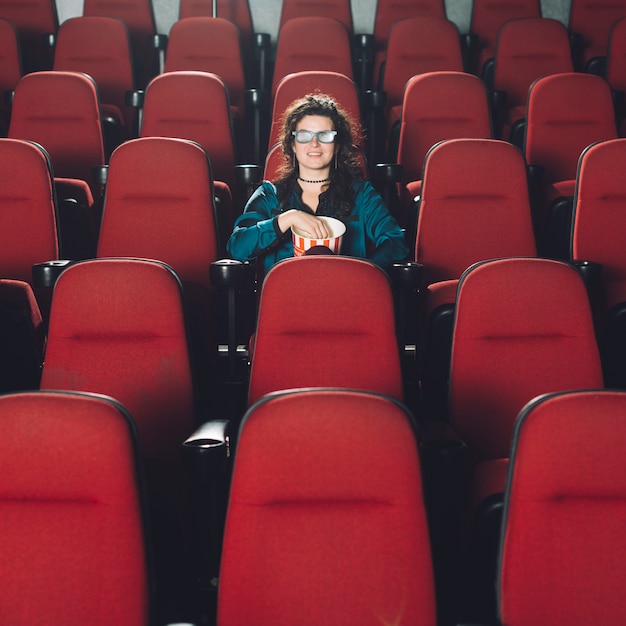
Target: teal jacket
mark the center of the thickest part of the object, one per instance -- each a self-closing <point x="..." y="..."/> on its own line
<point x="371" y="231"/>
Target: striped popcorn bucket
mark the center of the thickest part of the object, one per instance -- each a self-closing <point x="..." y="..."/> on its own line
<point x="301" y="243"/>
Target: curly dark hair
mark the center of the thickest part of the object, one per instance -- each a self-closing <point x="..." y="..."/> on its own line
<point x="348" y="167"/>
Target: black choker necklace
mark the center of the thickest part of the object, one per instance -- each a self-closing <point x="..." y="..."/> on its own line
<point x="304" y="180"/>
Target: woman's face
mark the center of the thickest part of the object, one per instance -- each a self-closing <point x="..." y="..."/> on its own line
<point x="314" y="155"/>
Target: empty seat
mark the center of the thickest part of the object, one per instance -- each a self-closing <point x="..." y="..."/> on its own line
<point x="339" y="10"/>
<point x="523" y="327"/>
<point x="238" y="12"/>
<point x="11" y="69"/>
<point x="73" y="514"/>
<point x="312" y="43"/>
<point x="35" y="22"/>
<point x="616" y="71"/>
<point x="486" y="18"/>
<point x="100" y="47"/>
<point x="211" y="44"/>
<point x="195" y="106"/>
<point x="297" y="345"/>
<point x="415" y="46"/>
<point x="293" y="549"/>
<point x="562" y="544"/>
<point x="437" y="106"/>
<point x="566" y="113"/>
<point x="589" y="24"/>
<point x="106" y="337"/>
<point x="388" y="13"/>
<point x="598" y="221"/>
<point x="536" y="326"/>
<point x="159" y="205"/>
<point x="474" y="207"/>
<point x="526" y="49"/>
<point x="61" y="112"/>
<point x="138" y="15"/>
<point x="28" y="216"/>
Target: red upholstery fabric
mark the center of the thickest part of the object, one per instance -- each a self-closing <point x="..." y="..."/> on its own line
<point x="523" y="327"/>
<point x="592" y="21"/>
<point x="159" y="205"/>
<point x="28" y="232"/>
<point x="138" y="15"/>
<point x="438" y="106"/>
<point x="563" y="543"/>
<point x="330" y="525"/>
<point x="193" y="105"/>
<point x="599" y="215"/>
<point x="312" y="43"/>
<point x="236" y="11"/>
<point x="390" y="12"/>
<point x="339" y="10"/>
<point x="61" y="111"/>
<point x="10" y="67"/>
<point x="209" y="44"/>
<point x="325" y="321"/>
<point x="117" y="327"/>
<point x="71" y="528"/>
<point x="526" y="49"/>
<point x="566" y="113"/>
<point x="474" y="207"/>
<point x="294" y="86"/>
<point x="535" y="336"/>
<point x="616" y="68"/>
<point x="100" y="47"/>
<point x="487" y="17"/>
<point x="417" y="45"/>
<point x="34" y="20"/>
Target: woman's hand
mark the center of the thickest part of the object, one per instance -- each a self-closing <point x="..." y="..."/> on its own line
<point x="309" y="225"/>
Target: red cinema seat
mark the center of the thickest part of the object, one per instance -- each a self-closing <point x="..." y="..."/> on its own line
<point x="296" y="346"/>
<point x="347" y="543"/>
<point x="73" y="528"/>
<point x="563" y="517"/>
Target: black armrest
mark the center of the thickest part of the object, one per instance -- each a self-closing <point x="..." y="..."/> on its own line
<point x="257" y="106"/>
<point x="159" y="43"/>
<point x="46" y="274"/>
<point x="206" y="456"/>
<point x="499" y="100"/>
<point x="373" y="104"/>
<point x="590" y="271"/>
<point x="407" y="281"/>
<point x="235" y="283"/>
<point x="248" y="177"/>
<point x="363" y="45"/>
<point x="262" y="46"/>
<point x="135" y="99"/>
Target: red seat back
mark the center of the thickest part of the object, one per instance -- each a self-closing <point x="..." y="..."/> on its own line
<point x="566" y="113"/>
<point x="306" y="341"/>
<point x="294" y="529"/>
<point x="523" y="327"/>
<point x="72" y="533"/>
<point x="563" y="518"/>
<point x="312" y="43"/>
<point x="117" y="326"/>
<point x="100" y="47"/>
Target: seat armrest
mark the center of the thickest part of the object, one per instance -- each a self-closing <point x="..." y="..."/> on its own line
<point x="262" y="46"/>
<point x="363" y="54"/>
<point x="45" y="274"/>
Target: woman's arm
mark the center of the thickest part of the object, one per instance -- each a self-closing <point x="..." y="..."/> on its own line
<point x="256" y="230"/>
<point x="381" y="228"/>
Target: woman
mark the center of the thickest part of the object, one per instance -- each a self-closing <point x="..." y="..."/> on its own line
<point x="321" y="176"/>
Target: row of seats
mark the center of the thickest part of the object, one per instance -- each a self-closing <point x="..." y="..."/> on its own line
<point x="526" y="48"/>
<point x="565" y="113"/>
<point x="538" y="330"/>
<point x="159" y="203"/>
